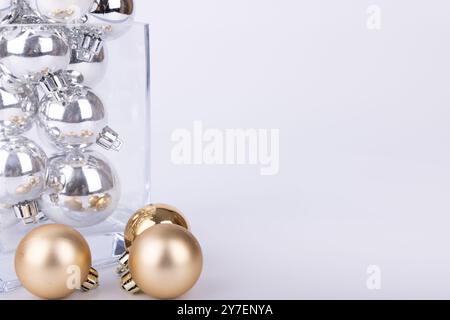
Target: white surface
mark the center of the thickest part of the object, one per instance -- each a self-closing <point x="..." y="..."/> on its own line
<point x="365" y="144"/>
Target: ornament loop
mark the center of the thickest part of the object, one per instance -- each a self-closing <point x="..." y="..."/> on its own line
<point x="109" y="139"/>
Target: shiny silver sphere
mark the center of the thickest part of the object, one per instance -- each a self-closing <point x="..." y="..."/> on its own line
<point x="17" y="111"/>
<point x="83" y="189"/>
<point x="63" y="11"/>
<point x="28" y="53"/>
<point x="74" y="122"/>
<point x="22" y="171"/>
<point x="7" y="217"/>
<point x="117" y="15"/>
<point x="87" y="73"/>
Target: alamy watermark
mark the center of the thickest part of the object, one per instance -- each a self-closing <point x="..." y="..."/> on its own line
<point x="374" y="278"/>
<point x="73" y="277"/>
<point x="212" y="146"/>
<point x="374" y="17"/>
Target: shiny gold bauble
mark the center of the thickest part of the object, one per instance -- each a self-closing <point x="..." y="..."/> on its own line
<point x="165" y="261"/>
<point x="150" y="216"/>
<point x="48" y="257"/>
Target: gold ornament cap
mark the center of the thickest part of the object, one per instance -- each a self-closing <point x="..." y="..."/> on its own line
<point x="128" y="283"/>
<point x="92" y="281"/>
<point x="152" y="215"/>
<point x="123" y="263"/>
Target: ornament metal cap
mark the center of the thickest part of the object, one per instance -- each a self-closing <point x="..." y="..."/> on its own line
<point x="53" y="84"/>
<point x="123" y="263"/>
<point x="109" y="139"/>
<point x="128" y="283"/>
<point x="90" y="45"/>
<point x="92" y="281"/>
<point x="27" y="211"/>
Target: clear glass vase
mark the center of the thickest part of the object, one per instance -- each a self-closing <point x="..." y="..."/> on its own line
<point x="125" y="92"/>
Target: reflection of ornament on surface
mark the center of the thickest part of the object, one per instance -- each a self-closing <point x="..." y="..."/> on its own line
<point x="74" y="204"/>
<point x="100" y="203"/>
<point x="28" y="185"/>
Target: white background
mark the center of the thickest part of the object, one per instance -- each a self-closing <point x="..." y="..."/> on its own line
<point x="365" y="144"/>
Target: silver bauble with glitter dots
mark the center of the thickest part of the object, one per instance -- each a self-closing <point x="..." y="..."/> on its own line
<point x="22" y="171"/>
<point x="17" y="111"/>
<point x="73" y="122"/>
<point x="30" y="53"/>
<point x="83" y="189"/>
<point x="116" y="15"/>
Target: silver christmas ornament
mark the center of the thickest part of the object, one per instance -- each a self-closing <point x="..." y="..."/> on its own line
<point x="75" y="122"/>
<point x="63" y="11"/>
<point x="83" y="189"/>
<point x="32" y="53"/>
<point x="87" y="73"/>
<point x="22" y="176"/>
<point x="17" y="111"/>
<point x="116" y="15"/>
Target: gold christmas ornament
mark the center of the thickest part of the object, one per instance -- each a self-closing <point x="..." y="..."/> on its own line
<point x="53" y="261"/>
<point x="164" y="262"/>
<point x="150" y="216"/>
<point x="144" y="219"/>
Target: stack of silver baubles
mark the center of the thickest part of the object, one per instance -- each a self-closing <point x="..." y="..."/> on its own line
<point x="51" y="55"/>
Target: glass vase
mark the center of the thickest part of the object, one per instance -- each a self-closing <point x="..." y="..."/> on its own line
<point x="125" y="92"/>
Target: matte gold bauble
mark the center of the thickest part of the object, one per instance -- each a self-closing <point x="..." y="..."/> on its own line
<point x="150" y="216"/>
<point x="165" y="262"/>
<point x="53" y="261"/>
